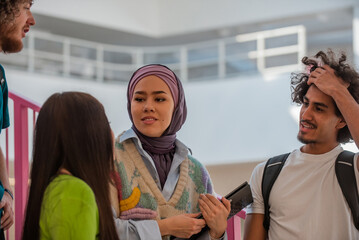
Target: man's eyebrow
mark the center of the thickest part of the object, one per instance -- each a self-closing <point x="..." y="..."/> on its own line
<point x="316" y="103"/>
<point x="321" y="104"/>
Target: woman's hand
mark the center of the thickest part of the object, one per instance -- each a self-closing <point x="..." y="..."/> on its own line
<point x="181" y="226"/>
<point x="8" y="218"/>
<point x="215" y="213"/>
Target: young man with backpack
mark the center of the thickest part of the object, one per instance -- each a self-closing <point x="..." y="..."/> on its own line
<point x="312" y="192"/>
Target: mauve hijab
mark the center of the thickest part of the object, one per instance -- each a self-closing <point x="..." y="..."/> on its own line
<point x="161" y="149"/>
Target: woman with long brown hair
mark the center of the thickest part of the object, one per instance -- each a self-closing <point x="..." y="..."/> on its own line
<point x="70" y="176"/>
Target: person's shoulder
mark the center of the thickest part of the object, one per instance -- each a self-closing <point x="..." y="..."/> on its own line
<point x="69" y="203"/>
<point x="124" y="137"/>
<point x="120" y="136"/>
<point x="70" y="182"/>
<point x="258" y="169"/>
<point x="67" y="186"/>
<point x="261" y="165"/>
<point x="2" y="69"/>
<point x="195" y="161"/>
<point x="119" y="144"/>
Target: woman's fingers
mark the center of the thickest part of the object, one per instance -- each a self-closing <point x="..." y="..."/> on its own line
<point x="227" y="204"/>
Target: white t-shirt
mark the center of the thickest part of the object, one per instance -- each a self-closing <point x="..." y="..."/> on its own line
<point x="306" y="199"/>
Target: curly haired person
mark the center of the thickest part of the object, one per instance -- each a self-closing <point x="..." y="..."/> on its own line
<point x="306" y="200"/>
<point x="15" y="21"/>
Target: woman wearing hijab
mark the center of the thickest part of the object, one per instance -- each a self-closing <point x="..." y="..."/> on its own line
<point x="161" y="188"/>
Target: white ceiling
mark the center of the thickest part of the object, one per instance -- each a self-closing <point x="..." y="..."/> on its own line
<point x="321" y="27"/>
<point x="164" y="18"/>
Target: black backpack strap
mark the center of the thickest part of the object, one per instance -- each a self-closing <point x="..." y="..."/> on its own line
<point x="344" y="169"/>
<point x="271" y="171"/>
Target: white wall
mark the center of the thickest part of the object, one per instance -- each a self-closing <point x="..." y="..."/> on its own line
<point x="158" y="18"/>
<point x="39" y="87"/>
<point x="236" y="120"/>
<point x="189" y="16"/>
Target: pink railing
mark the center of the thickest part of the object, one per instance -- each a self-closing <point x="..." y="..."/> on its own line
<point x="21" y="155"/>
<point x="234" y="226"/>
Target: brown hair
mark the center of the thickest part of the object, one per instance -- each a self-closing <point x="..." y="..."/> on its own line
<point x="300" y="87"/>
<point x="9" y="9"/>
<point x="72" y="131"/>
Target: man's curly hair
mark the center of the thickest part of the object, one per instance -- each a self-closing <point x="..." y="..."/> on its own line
<point x="300" y="87"/>
<point x="9" y="9"/>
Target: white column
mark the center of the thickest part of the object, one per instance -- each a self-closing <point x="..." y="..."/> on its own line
<point x="260" y="53"/>
<point x="184" y="64"/>
<point x="356" y="36"/>
<point x="100" y="63"/>
<point x="221" y="60"/>
<point x="66" y="57"/>
<point x="31" y="50"/>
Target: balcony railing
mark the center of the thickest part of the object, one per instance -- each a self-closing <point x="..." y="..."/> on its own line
<point x="278" y="50"/>
<point x="17" y="147"/>
<point x="234" y="226"/>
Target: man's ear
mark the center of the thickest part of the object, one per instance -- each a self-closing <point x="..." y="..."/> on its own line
<point x="341" y="123"/>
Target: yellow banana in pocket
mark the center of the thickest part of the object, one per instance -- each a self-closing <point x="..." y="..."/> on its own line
<point x="131" y="201"/>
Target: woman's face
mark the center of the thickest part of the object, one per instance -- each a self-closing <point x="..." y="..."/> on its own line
<point x="152" y="106"/>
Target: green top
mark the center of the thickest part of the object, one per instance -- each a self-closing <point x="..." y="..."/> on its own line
<point x="69" y="210"/>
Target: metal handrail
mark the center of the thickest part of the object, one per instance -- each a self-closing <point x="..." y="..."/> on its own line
<point x="234" y="226"/>
<point x="21" y="154"/>
<point x="211" y="59"/>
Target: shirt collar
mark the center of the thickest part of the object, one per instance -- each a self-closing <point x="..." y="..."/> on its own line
<point x="181" y="148"/>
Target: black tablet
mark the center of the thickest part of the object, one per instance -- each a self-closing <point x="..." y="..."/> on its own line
<point x="240" y="197"/>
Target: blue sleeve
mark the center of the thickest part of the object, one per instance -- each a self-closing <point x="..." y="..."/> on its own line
<point x="4" y="115"/>
<point x="137" y="230"/>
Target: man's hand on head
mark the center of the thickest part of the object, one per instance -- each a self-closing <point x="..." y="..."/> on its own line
<point x="326" y="80"/>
